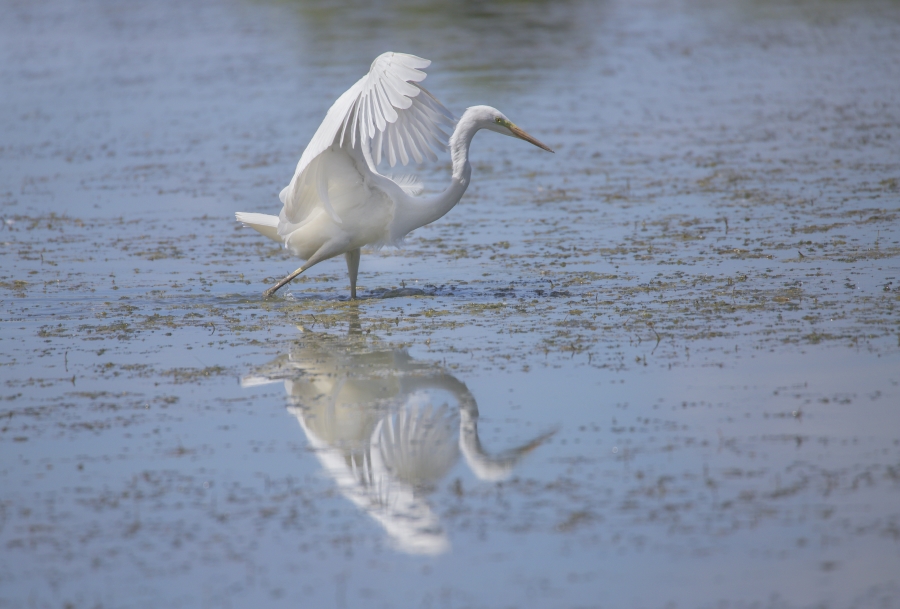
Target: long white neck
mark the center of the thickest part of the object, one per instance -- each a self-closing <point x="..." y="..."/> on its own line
<point x="413" y="212"/>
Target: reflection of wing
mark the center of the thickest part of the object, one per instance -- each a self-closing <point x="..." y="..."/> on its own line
<point x="363" y="478"/>
<point x="417" y="443"/>
<point x="386" y="114"/>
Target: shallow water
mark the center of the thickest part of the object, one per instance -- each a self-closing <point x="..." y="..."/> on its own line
<point x="660" y="368"/>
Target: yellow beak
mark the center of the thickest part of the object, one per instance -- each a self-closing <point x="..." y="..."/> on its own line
<point x="516" y="131"/>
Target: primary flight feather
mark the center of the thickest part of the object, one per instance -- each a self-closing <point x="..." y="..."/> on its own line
<point x="337" y="201"/>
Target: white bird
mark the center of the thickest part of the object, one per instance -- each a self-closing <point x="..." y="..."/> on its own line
<point x="337" y="201"/>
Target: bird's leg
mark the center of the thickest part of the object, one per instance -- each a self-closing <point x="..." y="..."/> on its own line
<point x="352" y="269"/>
<point x="328" y="250"/>
<point x="268" y="293"/>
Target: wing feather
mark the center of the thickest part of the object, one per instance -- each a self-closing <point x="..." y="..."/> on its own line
<point x="419" y="134"/>
<point x="366" y="128"/>
<point x="410" y="183"/>
<point x="379" y="135"/>
<point x="399" y="141"/>
<point x="377" y="112"/>
<point x="395" y="97"/>
<point x="391" y="148"/>
<point x="390" y="115"/>
<point x="322" y="191"/>
<point x="359" y="124"/>
<point x="387" y="114"/>
<point x="410" y="138"/>
<point x="374" y="113"/>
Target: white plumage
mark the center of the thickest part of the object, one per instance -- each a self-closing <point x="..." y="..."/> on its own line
<point x="338" y="201"/>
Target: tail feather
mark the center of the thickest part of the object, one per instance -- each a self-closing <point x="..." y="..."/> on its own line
<point x="263" y="223"/>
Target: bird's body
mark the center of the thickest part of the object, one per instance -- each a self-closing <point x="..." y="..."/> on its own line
<point x="338" y="201"/>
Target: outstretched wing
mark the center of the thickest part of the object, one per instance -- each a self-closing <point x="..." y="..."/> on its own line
<point x="387" y="115"/>
<point x="395" y="117"/>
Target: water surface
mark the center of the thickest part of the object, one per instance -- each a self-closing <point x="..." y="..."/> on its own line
<point x="660" y="368"/>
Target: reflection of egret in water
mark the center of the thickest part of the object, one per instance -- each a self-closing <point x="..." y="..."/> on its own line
<point x="387" y="429"/>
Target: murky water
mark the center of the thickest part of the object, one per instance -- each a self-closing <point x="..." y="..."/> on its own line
<point x="660" y="368"/>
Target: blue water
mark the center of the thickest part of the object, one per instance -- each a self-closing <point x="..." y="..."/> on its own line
<point x="656" y="369"/>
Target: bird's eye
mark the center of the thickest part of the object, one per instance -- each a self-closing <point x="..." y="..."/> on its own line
<point x="498" y="120"/>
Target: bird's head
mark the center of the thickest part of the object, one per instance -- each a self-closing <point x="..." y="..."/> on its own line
<point x="494" y="120"/>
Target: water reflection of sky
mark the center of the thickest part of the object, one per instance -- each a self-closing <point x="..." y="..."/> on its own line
<point x="698" y="290"/>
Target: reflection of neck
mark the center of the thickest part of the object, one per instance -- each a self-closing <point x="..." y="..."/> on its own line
<point x="481" y="464"/>
<point x="485" y="466"/>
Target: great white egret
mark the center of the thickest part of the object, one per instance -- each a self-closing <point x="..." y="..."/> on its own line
<point x="338" y="202"/>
